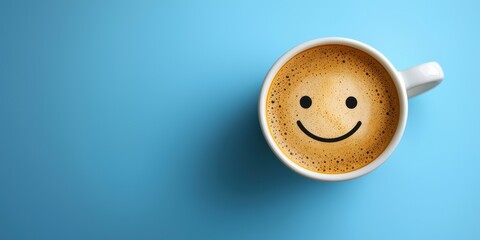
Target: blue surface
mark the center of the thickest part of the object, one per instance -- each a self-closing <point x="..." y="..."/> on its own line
<point x="138" y="120"/>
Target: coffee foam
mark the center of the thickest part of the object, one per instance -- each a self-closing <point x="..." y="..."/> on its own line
<point x="329" y="75"/>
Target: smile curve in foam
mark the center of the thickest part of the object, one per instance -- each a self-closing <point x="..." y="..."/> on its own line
<point x="329" y="140"/>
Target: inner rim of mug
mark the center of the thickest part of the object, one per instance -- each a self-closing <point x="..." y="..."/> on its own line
<point x="402" y="96"/>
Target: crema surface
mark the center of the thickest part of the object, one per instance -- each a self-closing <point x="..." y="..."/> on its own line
<point x="332" y="109"/>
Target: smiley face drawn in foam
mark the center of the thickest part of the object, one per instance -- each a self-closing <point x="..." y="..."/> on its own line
<point x="306" y="102"/>
<point x="332" y="109"/>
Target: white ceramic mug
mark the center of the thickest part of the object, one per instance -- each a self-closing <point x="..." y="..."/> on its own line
<point x="409" y="83"/>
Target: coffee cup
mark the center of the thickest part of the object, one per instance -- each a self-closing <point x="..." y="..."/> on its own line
<point x="334" y="109"/>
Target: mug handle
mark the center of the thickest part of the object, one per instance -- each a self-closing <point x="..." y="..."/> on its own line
<point x="422" y="78"/>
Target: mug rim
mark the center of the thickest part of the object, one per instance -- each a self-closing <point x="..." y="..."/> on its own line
<point x="394" y="74"/>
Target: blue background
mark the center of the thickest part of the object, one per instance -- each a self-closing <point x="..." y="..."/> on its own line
<point x="138" y="120"/>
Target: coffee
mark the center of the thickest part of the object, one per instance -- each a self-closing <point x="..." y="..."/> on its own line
<point x="332" y="109"/>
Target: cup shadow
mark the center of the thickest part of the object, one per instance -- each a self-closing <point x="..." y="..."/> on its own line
<point x="243" y="167"/>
